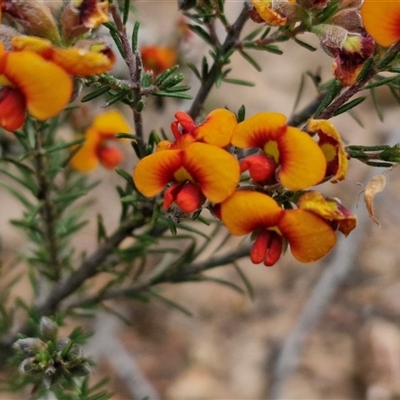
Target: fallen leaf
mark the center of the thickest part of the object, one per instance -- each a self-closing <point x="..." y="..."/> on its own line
<point x="374" y="186"/>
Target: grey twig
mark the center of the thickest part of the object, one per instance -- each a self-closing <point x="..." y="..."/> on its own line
<point x="208" y="83"/>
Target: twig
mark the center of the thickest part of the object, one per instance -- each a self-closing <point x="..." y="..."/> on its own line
<point x="135" y="67"/>
<point x="208" y="83"/>
<point x="176" y="276"/>
<point x="89" y="267"/>
<point x="106" y="343"/>
<point x="48" y="211"/>
<point x="329" y="111"/>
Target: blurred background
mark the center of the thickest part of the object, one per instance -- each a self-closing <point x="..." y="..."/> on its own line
<point x="327" y="330"/>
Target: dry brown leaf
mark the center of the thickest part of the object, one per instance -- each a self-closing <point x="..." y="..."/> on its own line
<point x="374" y="186"/>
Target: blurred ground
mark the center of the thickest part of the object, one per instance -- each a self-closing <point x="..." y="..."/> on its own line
<point x="231" y="347"/>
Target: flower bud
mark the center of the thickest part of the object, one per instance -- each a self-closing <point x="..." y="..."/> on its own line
<point x="48" y="328"/>
<point x="35" y="16"/>
<point x="29" y="347"/>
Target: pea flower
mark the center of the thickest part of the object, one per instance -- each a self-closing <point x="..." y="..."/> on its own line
<point x="349" y="49"/>
<point x="95" y="149"/>
<point x="381" y="19"/>
<point x="30" y="83"/>
<point x="301" y="162"/>
<point x="193" y="170"/>
<point x="332" y="147"/>
<point x="158" y="58"/>
<point x="331" y="210"/>
<point x="309" y="236"/>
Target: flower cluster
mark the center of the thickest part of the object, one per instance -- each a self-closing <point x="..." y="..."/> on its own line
<point x="253" y="175"/>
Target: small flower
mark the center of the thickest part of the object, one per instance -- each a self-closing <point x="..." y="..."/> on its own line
<point x="195" y="170"/>
<point x="308" y="235"/>
<point x="332" y="147"/>
<point x="217" y="129"/>
<point x="95" y="149"/>
<point x="158" y="58"/>
<point x="30" y="82"/>
<point x="350" y="50"/>
<point x="265" y="10"/>
<point x="330" y="209"/>
<point x="80" y="16"/>
<point x="381" y="19"/>
<point x="35" y="16"/>
<point x="302" y="163"/>
<point x="84" y="59"/>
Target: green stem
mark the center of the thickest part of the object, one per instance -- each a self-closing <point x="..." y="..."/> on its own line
<point x="48" y="210"/>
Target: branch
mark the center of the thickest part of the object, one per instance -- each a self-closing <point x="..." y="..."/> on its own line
<point x="208" y="83"/>
<point x="134" y="62"/>
<point x="181" y="275"/>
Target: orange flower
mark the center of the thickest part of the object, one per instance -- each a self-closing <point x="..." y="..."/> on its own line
<point x="330" y="209"/>
<point x="265" y="10"/>
<point x="196" y="171"/>
<point x="308" y="235"/>
<point x="31" y="83"/>
<point x="217" y="129"/>
<point x="95" y="149"/>
<point x="381" y="19"/>
<point x="302" y="163"/>
<point x="86" y="58"/>
<point x="332" y="147"/>
<point x="158" y="58"/>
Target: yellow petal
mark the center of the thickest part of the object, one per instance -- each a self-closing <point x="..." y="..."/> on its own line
<point x="217" y="129"/>
<point x="86" y="158"/>
<point x="247" y="211"/>
<point x="302" y="162"/>
<point x="381" y="19"/>
<point x="47" y="88"/>
<point x="309" y="236"/>
<point x="82" y="62"/>
<point x="217" y="171"/>
<point x="109" y="123"/>
<point x="257" y="130"/>
<point x="154" y="172"/>
<point x="271" y="17"/>
<point x="32" y="43"/>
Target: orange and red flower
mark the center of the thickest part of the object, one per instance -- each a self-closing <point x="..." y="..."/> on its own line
<point x="195" y="165"/>
<point x="158" y="58"/>
<point x="381" y="19"/>
<point x="30" y="82"/>
<point x="301" y="162"/>
<point x="95" y="149"/>
<point x="309" y="236"/>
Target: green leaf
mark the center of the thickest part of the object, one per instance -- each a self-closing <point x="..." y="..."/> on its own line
<point x="198" y="30"/>
<point x="348" y="106"/>
<point x="365" y="69"/>
<point x="194" y="70"/>
<point x="162" y="77"/>
<point x="239" y="82"/>
<point x="174" y="95"/>
<point x="253" y="34"/>
<point x="95" y="94"/>
<point x="378" y="107"/>
<point x="245" y="280"/>
<point x="304" y="44"/>
<point x="332" y="93"/>
<point x="116" y="97"/>
<point x="125" y="11"/>
<point x="135" y="35"/>
<point x="380" y="82"/>
<point x="169" y="302"/>
<point x="250" y="60"/>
